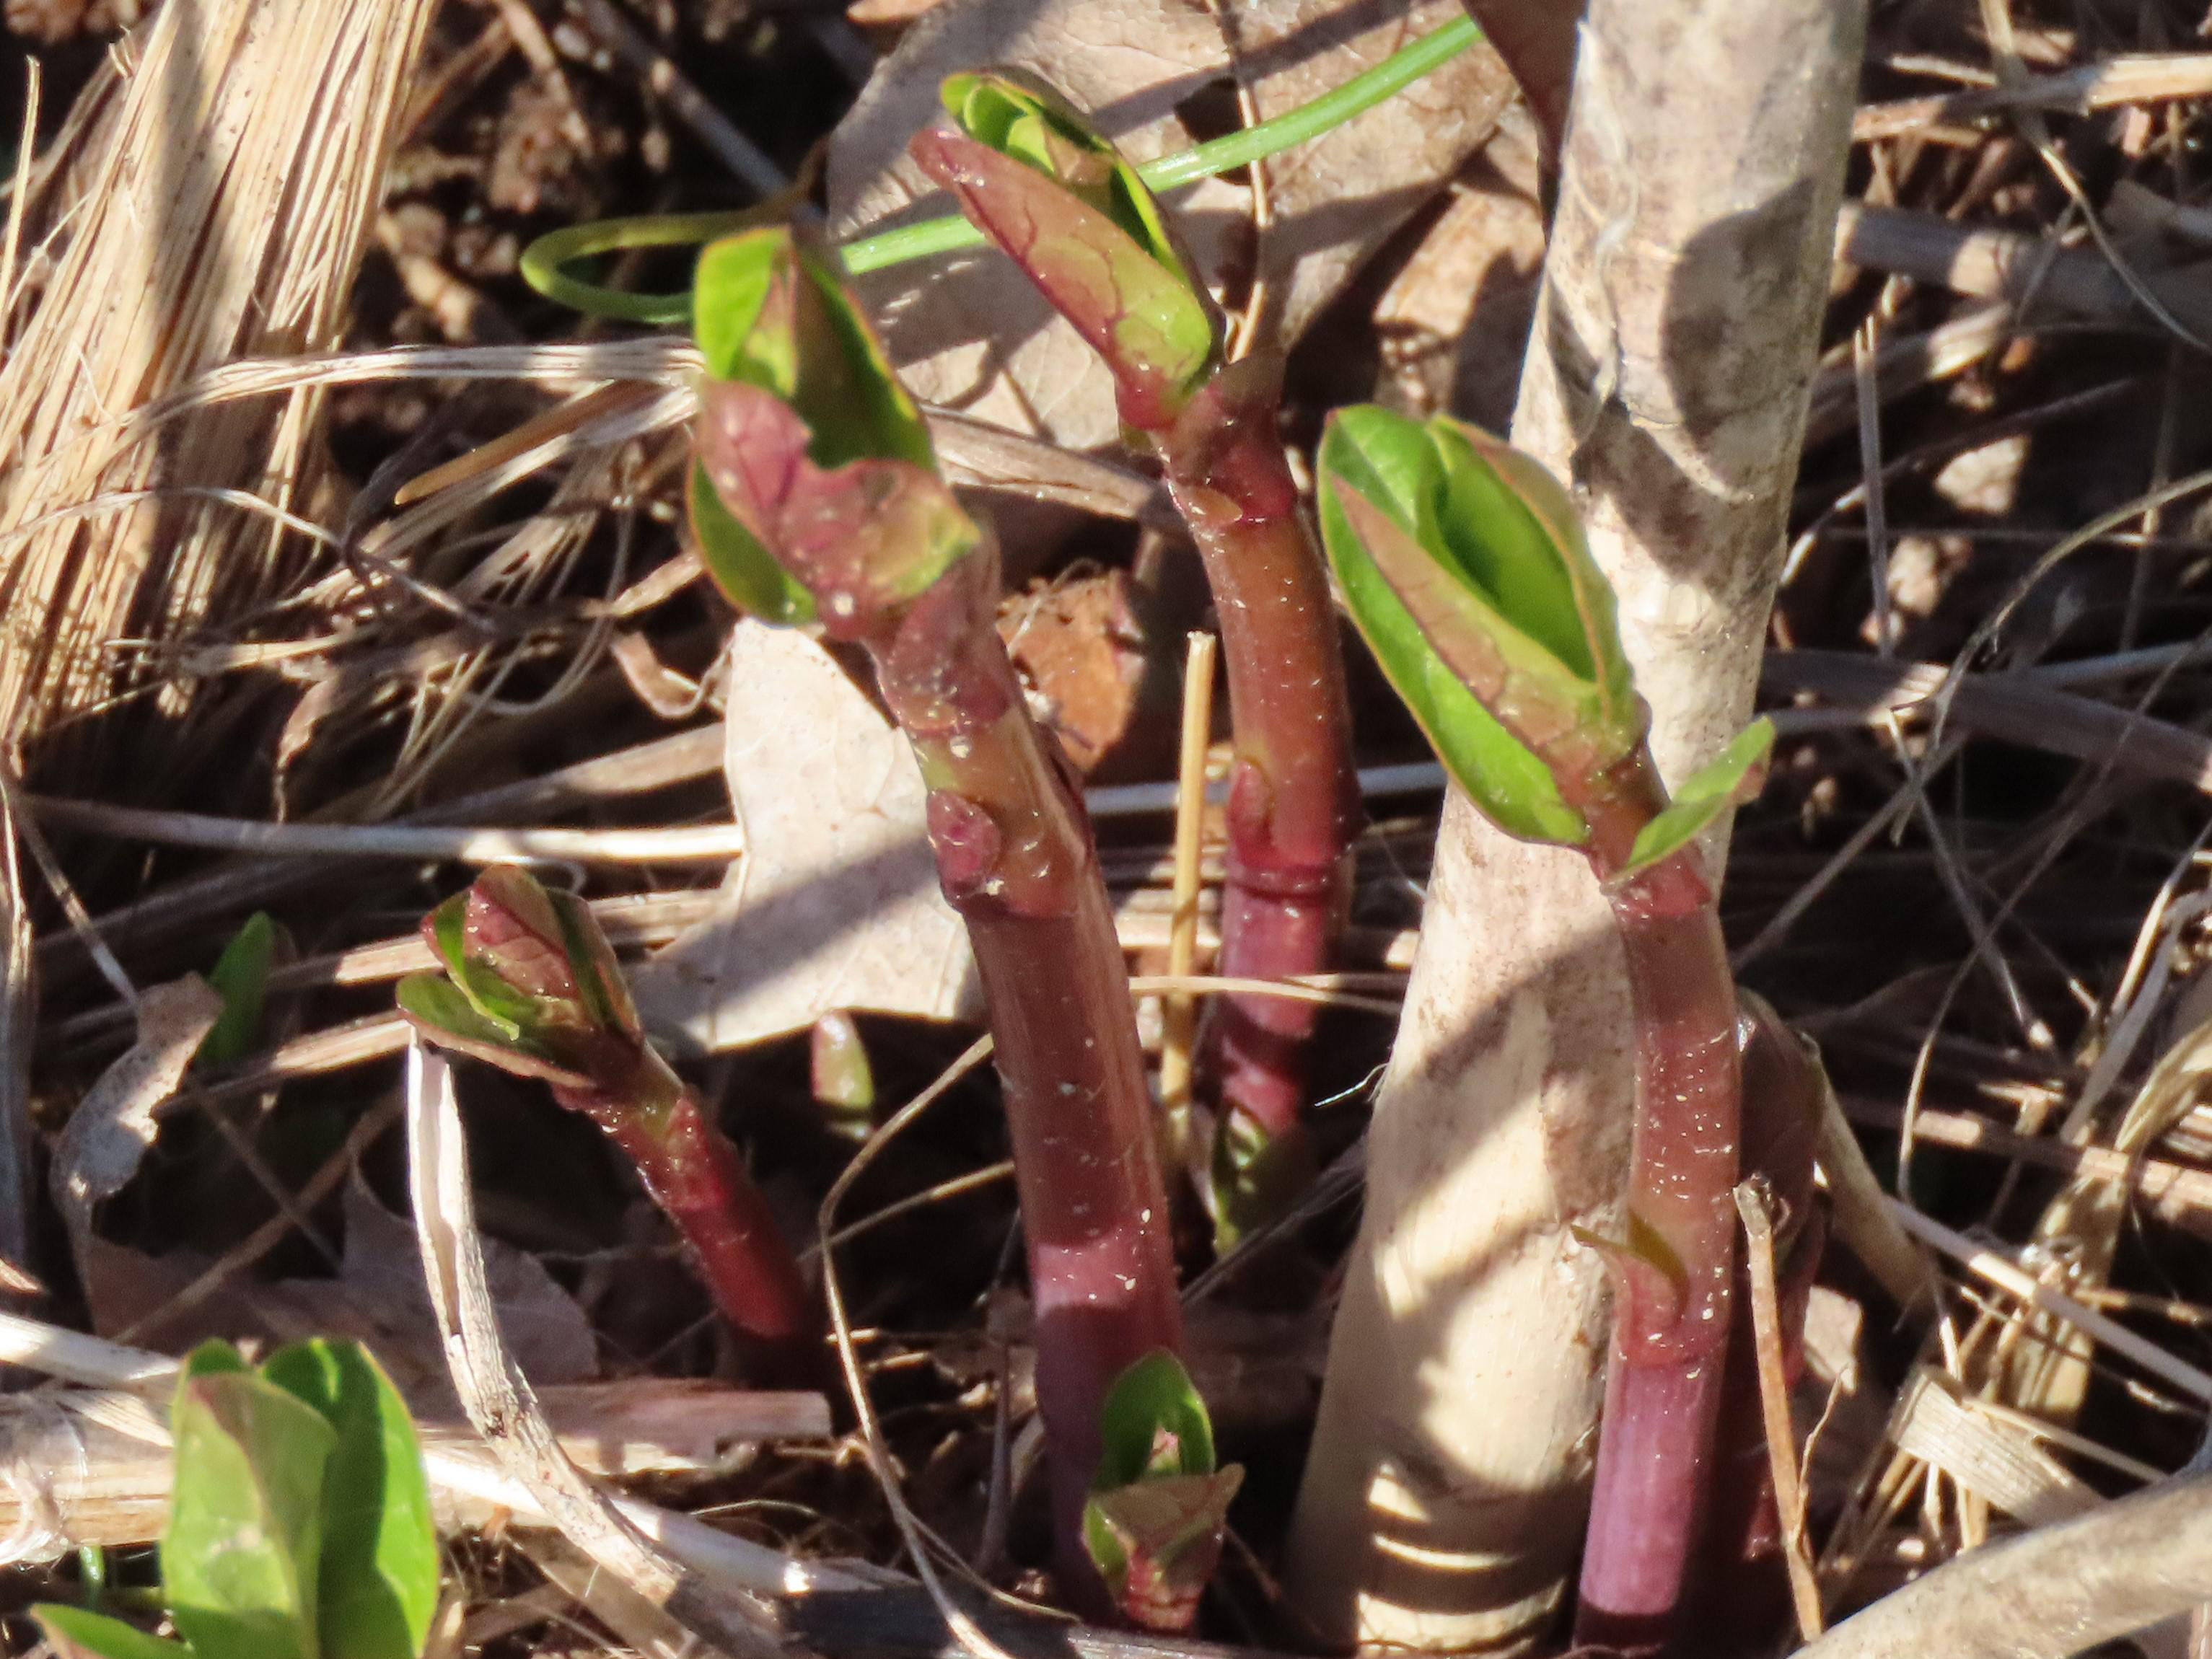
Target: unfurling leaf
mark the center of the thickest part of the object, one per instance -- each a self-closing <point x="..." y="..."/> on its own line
<point x="770" y="312"/>
<point x="1158" y="1505"/>
<point x="1157" y="1542"/>
<point x="739" y="565"/>
<point x="814" y="492"/>
<point x="1730" y="778"/>
<point x="1384" y="480"/>
<point x="1152" y="1405"/>
<point x="1072" y="213"/>
<point x="377" y="1585"/>
<point x="531" y="985"/>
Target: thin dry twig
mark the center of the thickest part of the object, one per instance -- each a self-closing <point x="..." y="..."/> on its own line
<point x="1774" y="1404"/>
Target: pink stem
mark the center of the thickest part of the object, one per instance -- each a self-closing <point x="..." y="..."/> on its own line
<point x="1293" y="804"/>
<point x="693" y="1173"/>
<point x="1673" y="1273"/>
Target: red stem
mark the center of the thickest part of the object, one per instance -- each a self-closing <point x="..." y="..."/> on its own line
<point x="1293" y="801"/>
<point x="1673" y="1275"/>
<point x="693" y="1173"/>
<point x="1015" y="856"/>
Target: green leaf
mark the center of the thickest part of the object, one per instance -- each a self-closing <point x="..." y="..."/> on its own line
<point x="1024" y="118"/>
<point x="436" y="1008"/>
<point x="1256" y="1177"/>
<point x="1154" y="1422"/>
<point x="739" y="565"/>
<point x="771" y="311"/>
<point x="79" y="1633"/>
<point x="240" y="977"/>
<point x="213" y="1357"/>
<point x="240" y="1552"/>
<point x="1063" y="205"/>
<point x="1730" y="778"/>
<point x="1391" y="463"/>
<point x="598" y="972"/>
<point x="378" y="1585"/>
<point x="496" y="1003"/>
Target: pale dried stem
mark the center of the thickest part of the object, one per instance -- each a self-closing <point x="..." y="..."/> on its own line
<point x="222" y="195"/>
<point x="1181" y="1022"/>
<point x="1443" y="1505"/>
<point x="1774" y="1404"/>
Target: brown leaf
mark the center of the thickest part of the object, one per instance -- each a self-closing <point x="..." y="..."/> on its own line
<point x="1455" y="322"/>
<point x="1081" y="653"/>
<point x="1336" y="200"/>
<point x="107" y="1135"/>
<point x="835" y="904"/>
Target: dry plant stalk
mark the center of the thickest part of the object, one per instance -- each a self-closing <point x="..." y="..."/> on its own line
<point x="216" y="208"/>
<point x="1443" y="1504"/>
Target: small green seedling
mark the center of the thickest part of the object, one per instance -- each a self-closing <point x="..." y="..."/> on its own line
<point x="1159" y="1504"/>
<point x="1463" y="563"/>
<point x="532" y="985"/>
<point x="240" y="978"/>
<point x="300" y="1524"/>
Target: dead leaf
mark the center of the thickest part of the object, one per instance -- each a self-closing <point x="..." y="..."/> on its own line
<point x="1334" y="201"/>
<point x="970" y="332"/>
<point x="379" y="1299"/>
<point x="546" y="1331"/>
<point x="106" y="1137"/>
<point x="1454" y="324"/>
<point x="835" y="904"/>
<point x="1080" y="649"/>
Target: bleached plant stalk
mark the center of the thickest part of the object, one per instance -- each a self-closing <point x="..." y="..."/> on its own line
<point x="1443" y="1503"/>
<point x="222" y="199"/>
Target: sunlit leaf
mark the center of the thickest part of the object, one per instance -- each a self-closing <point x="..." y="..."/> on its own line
<point x="1154" y="1422"/>
<point x="738" y="564"/>
<point x="240" y="1552"/>
<point x="1730" y="778"/>
<point x="1143" y="314"/>
<point x="1391" y="464"/>
<point x="79" y="1633"/>
<point x="770" y="311"/>
<point x="378" y="1583"/>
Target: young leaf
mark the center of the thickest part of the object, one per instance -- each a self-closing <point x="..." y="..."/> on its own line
<point x="863" y="537"/>
<point x="1730" y="778"/>
<point x="1390" y="464"/>
<point x="437" y="1009"/>
<point x="79" y="1633"/>
<point x="1084" y="229"/>
<point x="378" y="1583"/>
<point x="740" y="565"/>
<point x="240" y="977"/>
<point x="1154" y="1422"/>
<point x="1157" y="1542"/>
<point x="1025" y="119"/>
<point x="770" y="312"/>
<point x="240" y="1552"/>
